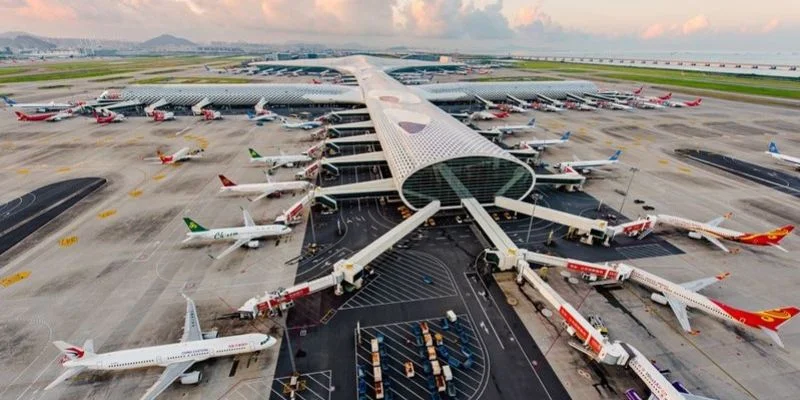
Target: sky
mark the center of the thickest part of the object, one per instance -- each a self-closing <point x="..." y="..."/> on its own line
<point x="454" y="25"/>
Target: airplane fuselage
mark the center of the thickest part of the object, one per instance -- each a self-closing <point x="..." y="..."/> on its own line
<point x="275" y="160"/>
<point x="263" y="187"/>
<point x="167" y="354"/>
<point x="233" y="234"/>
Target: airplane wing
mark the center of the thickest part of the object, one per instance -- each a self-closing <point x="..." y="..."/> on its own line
<point x="277" y="165"/>
<point x="191" y="324"/>
<point x="714" y="241"/>
<point x="263" y="195"/>
<point x="170" y="374"/>
<point x="69" y="373"/>
<point x="248" y="219"/>
<point x="700" y="284"/>
<point x="234" y="246"/>
<point x="679" y="308"/>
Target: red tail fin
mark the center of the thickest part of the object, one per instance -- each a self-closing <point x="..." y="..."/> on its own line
<point x="772" y="237"/>
<point x="770" y="319"/>
<point x="225" y="181"/>
<point x="20" y="115"/>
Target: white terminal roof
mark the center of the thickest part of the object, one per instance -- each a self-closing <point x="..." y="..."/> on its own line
<point x="413" y="132"/>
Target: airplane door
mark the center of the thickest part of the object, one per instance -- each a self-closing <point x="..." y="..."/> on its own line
<point x="160" y="360"/>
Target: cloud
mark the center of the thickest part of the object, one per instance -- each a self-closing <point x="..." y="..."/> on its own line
<point x="770" y="26"/>
<point x="192" y="6"/>
<point x="452" y="19"/>
<point x="653" y="31"/>
<point x="695" y="24"/>
<point x="43" y="10"/>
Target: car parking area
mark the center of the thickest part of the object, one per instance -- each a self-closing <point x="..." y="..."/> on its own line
<point x="458" y="347"/>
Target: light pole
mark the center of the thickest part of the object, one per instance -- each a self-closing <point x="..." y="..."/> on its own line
<point x="530" y="223"/>
<point x="288" y="342"/>
<point x="633" y="170"/>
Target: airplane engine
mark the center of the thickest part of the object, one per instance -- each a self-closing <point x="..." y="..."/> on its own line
<point x="586" y="171"/>
<point x="191" y="378"/>
<point x="290" y="165"/>
<point x="660" y="299"/>
<point x="695" y="235"/>
<point x="253" y="244"/>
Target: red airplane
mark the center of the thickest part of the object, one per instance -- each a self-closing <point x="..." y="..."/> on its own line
<point x="209" y="115"/>
<point x="49" y="117"/>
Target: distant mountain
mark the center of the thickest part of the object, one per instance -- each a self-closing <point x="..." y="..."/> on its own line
<point x="22" y="40"/>
<point x="167" y="41"/>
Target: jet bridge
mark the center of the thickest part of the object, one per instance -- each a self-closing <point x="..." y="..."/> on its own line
<point x="569" y="181"/>
<point x="374" y="188"/>
<point x="197" y="109"/>
<point x="339" y="130"/>
<point x="592" y="342"/>
<point x="588" y="229"/>
<point x="334" y="163"/>
<point x="152" y="107"/>
<point x="365" y="139"/>
<point x="352" y="268"/>
<point x="121" y="104"/>
<point x="347" y="271"/>
<point x="259" y="107"/>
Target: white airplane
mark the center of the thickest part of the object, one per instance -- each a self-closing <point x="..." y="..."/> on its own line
<point x="279" y="161"/>
<point x="216" y="71"/>
<point x="586" y="167"/>
<point x="645" y="105"/>
<point x="300" y="125"/>
<point x="210" y="115"/>
<point x="177" y="358"/>
<point x="482" y="116"/>
<point x="681" y="296"/>
<point x="264" y="189"/>
<point x="710" y="231"/>
<point x="540" y="144"/>
<point x="246" y="235"/>
<point x="486" y="103"/>
<point x="510" y="129"/>
<point x="773" y="151"/>
<point x="184" y="154"/>
<point x="265" y="115"/>
<point x="40" y="107"/>
<point x="107" y="117"/>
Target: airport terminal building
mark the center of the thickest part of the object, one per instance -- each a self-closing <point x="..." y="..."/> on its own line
<point x="431" y="155"/>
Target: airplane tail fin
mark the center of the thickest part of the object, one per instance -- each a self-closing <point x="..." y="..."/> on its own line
<point x="773" y="148"/>
<point x="615" y="156"/>
<point x="769" y="321"/>
<point x="226" y="182"/>
<point x="253" y="153"/>
<point x="20" y="115"/>
<point x="532" y="122"/>
<point x="162" y="157"/>
<point x="566" y="135"/>
<point x="250" y="115"/>
<point x="8" y="101"/>
<point x="771" y="238"/>
<point x="207" y="68"/>
<point x="72" y="352"/>
<point x="193" y="226"/>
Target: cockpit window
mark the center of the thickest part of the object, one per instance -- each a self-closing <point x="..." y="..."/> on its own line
<point x="263" y="342"/>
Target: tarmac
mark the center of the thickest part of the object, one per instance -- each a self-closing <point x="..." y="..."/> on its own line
<point x="111" y="267"/>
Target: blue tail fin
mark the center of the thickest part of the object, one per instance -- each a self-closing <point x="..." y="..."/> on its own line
<point x="9" y="101"/>
<point x="615" y="156"/>
<point x="532" y="122"/>
<point x="773" y="148"/>
<point x="566" y="136"/>
<point x="250" y="115"/>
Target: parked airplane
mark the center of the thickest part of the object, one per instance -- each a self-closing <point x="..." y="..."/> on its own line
<point x="40" y="107"/>
<point x="300" y="125"/>
<point x="160" y="116"/>
<point x="580" y="106"/>
<point x="540" y="144"/>
<point x="248" y="235"/>
<point x="537" y="105"/>
<point x="210" y="115"/>
<point x="184" y="154"/>
<point x="679" y="104"/>
<point x="48" y="117"/>
<point x="194" y="346"/>
<point x="710" y="231"/>
<point x="645" y="105"/>
<point x="264" y="116"/>
<point x="500" y="114"/>
<point x="264" y="189"/>
<point x="481" y="116"/>
<point x="773" y="151"/>
<point x="681" y="296"/>
<point x="586" y="167"/>
<point x="214" y="70"/>
<point x="109" y="117"/>
<point x="282" y="160"/>
<point x="510" y="129"/>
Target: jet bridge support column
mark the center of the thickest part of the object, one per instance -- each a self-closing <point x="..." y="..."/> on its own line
<point x="352" y="268"/>
<point x="507" y="253"/>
